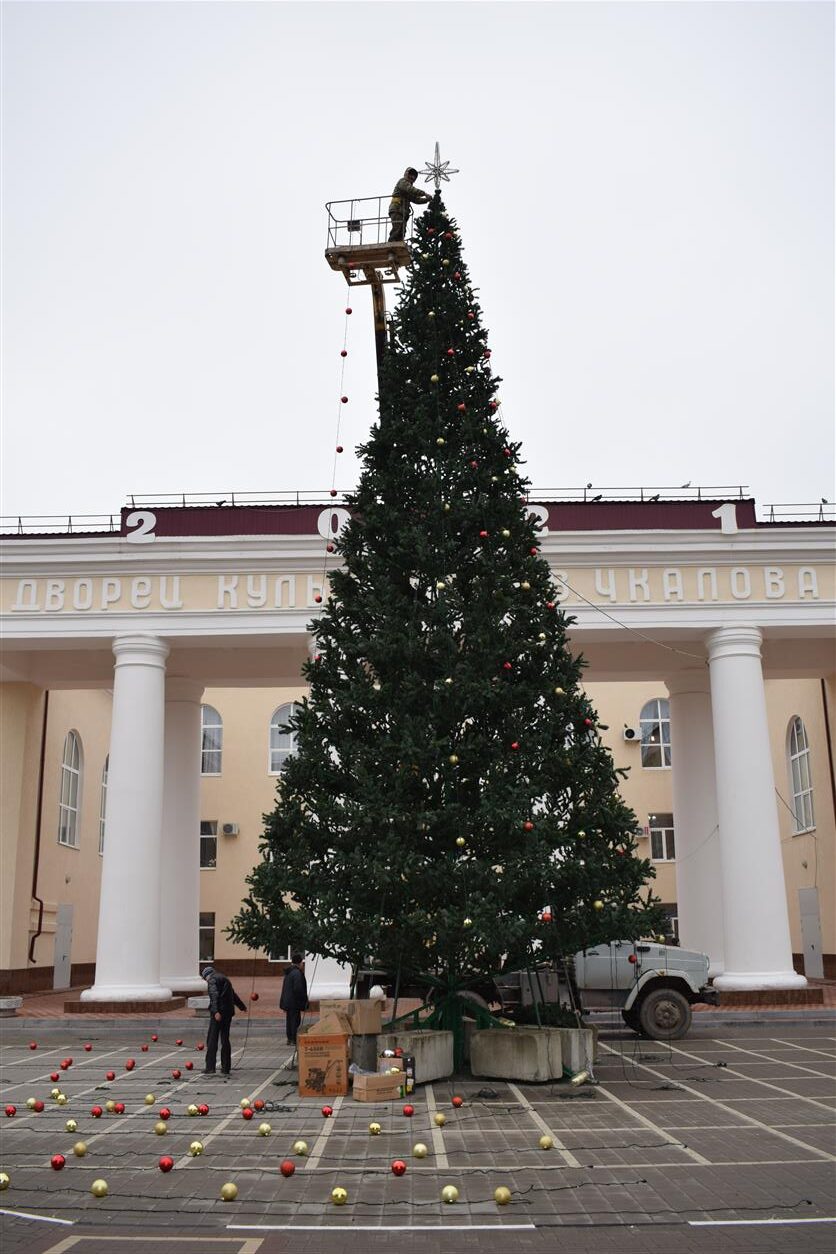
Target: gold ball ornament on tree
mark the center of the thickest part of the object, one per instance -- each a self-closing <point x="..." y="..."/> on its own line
<point x="597" y="905"/>
<point x="229" y="1191"/>
<point x="545" y="1143"/>
<point x="453" y="759"/>
<point x="467" y="921"/>
<point x="502" y="1195"/>
<point x="339" y="1196"/>
<point x="99" y="1188"/>
<point x="446" y="261"/>
<point x="433" y="378"/>
<point x="559" y="692"/>
<point x="449" y="1194"/>
<point x="80" y="1149"/>
<point x="431" y="313"/>
<point x="441" y="442"/>
<point x="419" y="1150"/>
<point x="196" y="1149"/>
<point x="460" y="842"/>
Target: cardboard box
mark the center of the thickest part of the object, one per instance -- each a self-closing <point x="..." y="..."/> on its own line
<point x="377" y="1088"/>
<point x="323" y="1065"/>
<point x="366" y="1016"/>
<point x="332" y="1024"/>
<point x="386" y="1064"/>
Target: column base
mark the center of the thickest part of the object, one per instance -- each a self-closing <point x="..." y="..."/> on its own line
<point x="126" y="992"/>
<point x="183" y="985"/>
<point x="754" y="981"/>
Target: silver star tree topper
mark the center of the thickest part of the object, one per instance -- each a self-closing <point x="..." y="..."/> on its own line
<point x="437" y="170"/>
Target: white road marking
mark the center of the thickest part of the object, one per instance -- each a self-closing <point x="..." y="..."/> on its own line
<point x="437" y="1134"/>
<point x="731" y="1111"/>
<point x="322" y="1139"/>
<point x="666" y="1136"/>
<point x="567" y="1155"/>
<point x="733" y="1223"/>
<point x="322" y="1229"/>
<point x="806" y="1048"/>
<point x="783" y="1062"/>
<point x="741" y="1075"/>
<point x="42" y="1219"/>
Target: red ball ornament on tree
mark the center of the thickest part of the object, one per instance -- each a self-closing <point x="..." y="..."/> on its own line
<point x="546" y="916"/>
<point x="471" y="315"/>
<point x="457" y="276"/>
<point x="461" y="407"/>
<point x="528" y="826"/>
<point x="506" y="666"/>
<point x="483" y="535"/>
<point x="339" y="448"/>
<point x="431" y="230"/>
<point x="506" y="452"/>
<point x="474" y="465"/>
<point x="587" y="722"/>
<point x="166" y="1164"/>
<point x="533" y="551"/>
<point x="550" y="605"/>
<point x="329" y="548"/>
<point x="344" y="400"/>
<point x="317" y="599"/>
<point x="57" y="1162"/>
<point x="287" y="1167"/>
<point x="332" y="492"/>
<point x="343" y="353"/>
<point x="448" y="234"/>
<point x="515" y="744"/>
<point x="349" y="310"/>
<point x="451" y="352"/>
<point x="398" y="1167"/>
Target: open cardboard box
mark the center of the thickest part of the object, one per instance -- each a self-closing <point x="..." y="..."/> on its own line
<point x="365" y="1014"/>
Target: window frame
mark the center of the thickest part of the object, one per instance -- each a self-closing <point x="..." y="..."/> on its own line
<point x="275" y="722"/>
<point x="798" y="755"/>
<point x="667" y="835"/>
<point x="205" y="726"/>
<point x="205" y="837"/>
<point x="661" y="719"/>
<point x="202" y="930"/>
<point x="70" y="786"/>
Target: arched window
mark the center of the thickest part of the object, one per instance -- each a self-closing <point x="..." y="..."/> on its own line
<point x="801" y="782"/>
<point x="69" y="805"/>
<point x="282" y="743"/>
<point x="103" y="804"/>
<point x="655" y="724"/>
<point x="212" y="740"/>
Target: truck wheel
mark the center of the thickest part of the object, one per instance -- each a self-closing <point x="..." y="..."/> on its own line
<point x="664" y="1014"/>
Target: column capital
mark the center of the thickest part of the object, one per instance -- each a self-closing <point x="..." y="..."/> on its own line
<point x="734" y="642"/>
<point x="138" y="649"/>
<point x="178" y="688"/>
<point x="693" y="679"/>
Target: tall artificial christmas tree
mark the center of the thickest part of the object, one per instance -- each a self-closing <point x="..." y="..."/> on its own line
<point x="450" y="809"/>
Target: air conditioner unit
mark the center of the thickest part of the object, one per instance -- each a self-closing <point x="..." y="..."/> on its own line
<point x="632" y="733"/>
<point x="229" y="829"/>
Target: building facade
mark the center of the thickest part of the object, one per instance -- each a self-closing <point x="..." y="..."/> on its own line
<point x="147" y="674"/>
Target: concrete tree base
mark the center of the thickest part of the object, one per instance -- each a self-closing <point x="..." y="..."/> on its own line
<point x="530" y="1054"/>
<point x="432" y="1051"/>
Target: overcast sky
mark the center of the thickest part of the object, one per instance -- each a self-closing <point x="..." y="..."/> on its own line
<point x="645" y="200"/>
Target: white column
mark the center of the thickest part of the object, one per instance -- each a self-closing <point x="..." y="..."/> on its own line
<point x="128" y="943"/>
<point x="758" y="952"/>
<point x="699" y="887"/>
<point x="180" y="880"/>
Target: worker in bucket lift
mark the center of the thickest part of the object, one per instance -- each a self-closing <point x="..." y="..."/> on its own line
<point x="404" y="192"/>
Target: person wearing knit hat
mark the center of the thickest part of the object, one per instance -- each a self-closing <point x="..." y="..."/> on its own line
<point x="222" y="1003"/>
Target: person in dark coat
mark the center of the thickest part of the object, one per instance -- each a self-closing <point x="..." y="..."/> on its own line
<point x="294" y="998"/>
<point x="222" y="1003"/>
<point x="400" y="207"/>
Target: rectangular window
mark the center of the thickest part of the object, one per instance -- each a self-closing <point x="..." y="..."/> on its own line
<point x="662" y="843"/>
<point x="208" y="844"/>
<point x="672" y="930"/>
<point x="206" y="937"/>
<point x="281" y="957"/>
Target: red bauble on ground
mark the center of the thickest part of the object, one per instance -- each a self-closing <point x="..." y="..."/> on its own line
<point x="155" y="1037"/>
<point x="64" y="1064"/>
<point x="110" y="1075"/>
<point x="119" y="1108"/>
<point x="409" y="1111"/>
<point x="176" y="1073"/>
<point x="258" y="1104"/>
<point x="247" y="1113"/>
<point x="38" y="1106"/>
<point x="165" y="1113"/>
<point x="53" y="1076"/>
<point x="178" y="1042"/>
<point x="199" y="1045"/>
<point x="144" y="1049"/>
<point x="166" y="1163"/>
<point x="398" y="1167"/>
<point x="457" y="1102"/>
<point x="33" y="1044"/>
<point x="327" y="1111"/>
<point x="286" y="1167"/>
<point x="11" y="1111"/>
<point x="188" y="1064"/>
<point x="88" y="1047"/>
<point x="96" y="1112"/>
<point x="130" y="1064"/>
<point x="253" y="996"/>
<point x="203" y="1109"/>
<point x="57" y="1162"/>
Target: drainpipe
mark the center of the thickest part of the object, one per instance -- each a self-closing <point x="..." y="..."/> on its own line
<point x="829" y="743"/>
<point x="38" y="812"/>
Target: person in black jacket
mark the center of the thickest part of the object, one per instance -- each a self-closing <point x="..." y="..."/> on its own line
<point x="222" y="1002"/>
<point x="294" y="998"/>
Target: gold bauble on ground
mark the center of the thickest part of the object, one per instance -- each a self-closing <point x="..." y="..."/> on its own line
<point x="80" y="1149"/>
<point x="196" y="1149"/>
<point x="149" y="1099"/>
<point x="192" y="1110"/>
<point x="245" y="1102"/>
<point x="110" y="1106"/>
<point x="419" y="1150"/>
<point x="5" y="1181"/>
<point x="61" y="1099"/>
<point x="439" y="1120"/>
<point x="160" y="1127"/>
<point x="449" y="1194"/>
<point x="264" y="1129"/>
<point x="502" y="1196"/>
<point x="545" y="1142"/>
<point x="229" y="1191"/>
<point x="54" y="1093"/>
<point x="374" y="1129"/>
<point x="339" y="1196"/>
<point x="99" y="1188"/>
<point x="300" y="1148"/>
<point x="30" y="1103"/>
<point x="70" y="1125"/>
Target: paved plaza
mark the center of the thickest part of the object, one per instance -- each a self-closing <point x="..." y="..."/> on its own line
<point x="723" y="1141"/>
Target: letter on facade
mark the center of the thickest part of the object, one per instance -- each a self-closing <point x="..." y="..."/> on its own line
<point x="605" y="589"/>
<point x="227" y="588"/>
